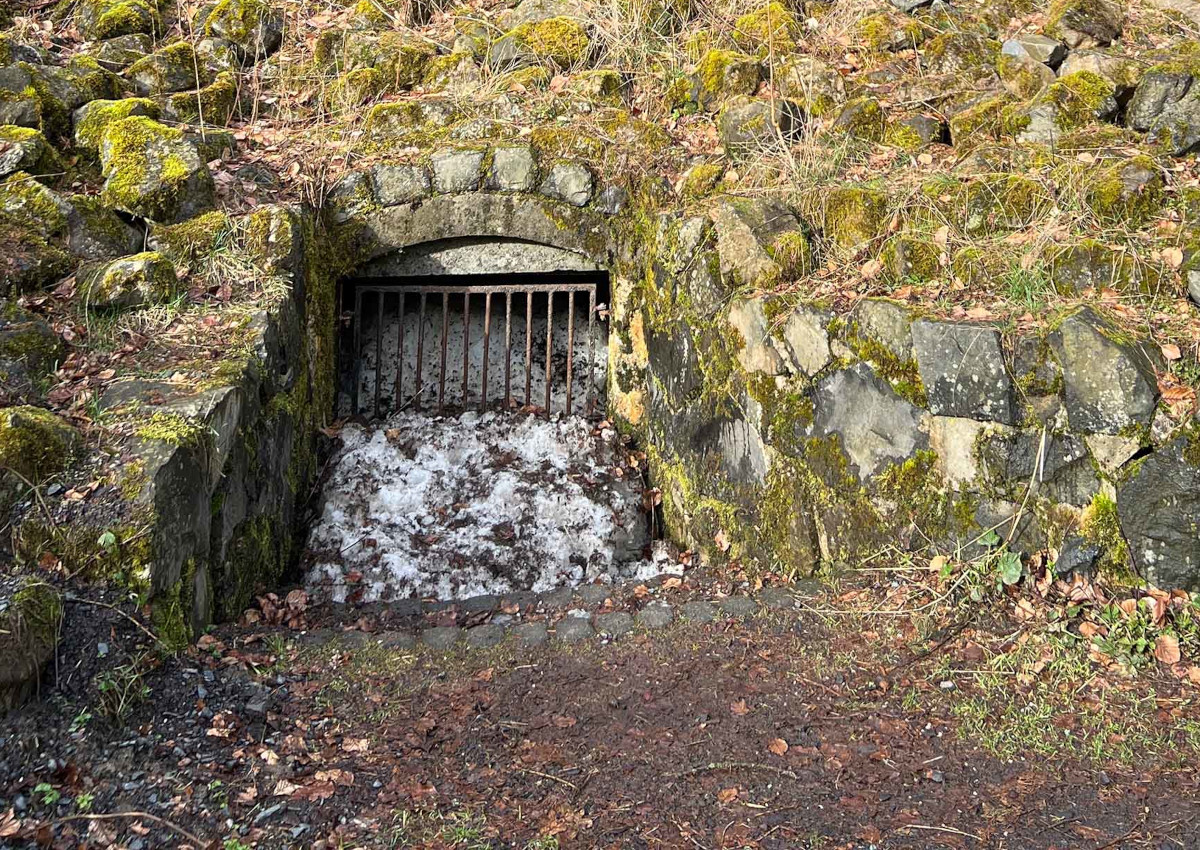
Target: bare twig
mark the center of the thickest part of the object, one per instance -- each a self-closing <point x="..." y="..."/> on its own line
<point x="72" y="598"/>
<point x="195" y="839"/>
<point x="735" y="765"/>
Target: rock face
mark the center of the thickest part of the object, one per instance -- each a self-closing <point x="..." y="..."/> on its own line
<point x="875" y="425"/>
<point x="152" y="172"/>
<point x="35" y="443"/>
<point x="1159" y="509"/>
<point x="1085" y="23"/>
<point x="30" y="612"/>
<point x="128" y="283"/>
<point x="747" y="123"/>
<point x="962" y="368"/>
<point x="1166" y="105"/>
<point x="1109" y="384"/>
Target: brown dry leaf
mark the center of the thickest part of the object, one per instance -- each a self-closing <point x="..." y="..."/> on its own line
<point x="739" y="708"/>
<point x="563" y="721"/>
<point x="871" y="269"/>
<point x="1089" y="630"/>
<point x="356" y="745"/>
<point x="727" y="795"/>
<point x="1193" y="675"/>
<point x="9" y="824"/>
<point x="316" y="791"/>
<point x="1166" y="649"/>
<point x="1171" y="351"/>
<point x="1173" y="257"/>
<point x="337" y="776"/>
<point x="778" y="746"/>
<point x="283" y="788"/>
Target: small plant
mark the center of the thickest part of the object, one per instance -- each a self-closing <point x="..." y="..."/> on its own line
<point x="80" y="722"/>
<point x="235" y="844"/>
<point x="1130" y="636"/>
<point x="121" y="689"/>
<point x="549" y="842"/>
<point x="48" y="794"/>
<point x="83" y="803"/>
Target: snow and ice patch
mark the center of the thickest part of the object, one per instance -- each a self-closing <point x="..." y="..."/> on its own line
<point x="453" y="507"/>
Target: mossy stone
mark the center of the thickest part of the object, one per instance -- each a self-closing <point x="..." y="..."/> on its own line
<point x="770" y="30"/>
<point x="24" y="199"/>
<point x="211" y="105"/>
<point x="701" y="181"/>
<point x="356" y="88"/>
<point x="1004" y="202"/>
<point x="105" y="19"/>
<point x="855" y="215"/>
<point x="980" y="121"/>
<point x="561" y="41"/>
<point x="1128" y="193"/>
<point x="152" y="172"/>
<point x="128" y="283"/>
<point x="173" y="68"/>
<point x="35" y="443"/>
<point x="862" y="118"/>
<point x="28" y="262"/>
<point x="254" y="26"/>
<point x="889" y="31"/>
<point x="26" y="149"/>
<point x="189" y="242"/>
<point x="92" y="119"/>
<point x="722" y="74"/>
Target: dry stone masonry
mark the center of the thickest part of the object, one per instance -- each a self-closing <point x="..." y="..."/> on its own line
<point x="882" y="274"/>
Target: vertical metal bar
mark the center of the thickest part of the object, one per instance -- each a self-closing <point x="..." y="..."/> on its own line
<point x="398" y="400"/>
<point x="528" y="345"/>
<point x="549" y="346"/>
<point x="418" y="388"/>
<point x="508" y="349"/>
<point x="487" y="333"/>
<point x="378" y="350"/>
<point x="445" y="339"/>
<point x="570" y="344"/>
<point x="466" y="347"/>
<point x="591" y="383"/>
<point x="358" y="358"/>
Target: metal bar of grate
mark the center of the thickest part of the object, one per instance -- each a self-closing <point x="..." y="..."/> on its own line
<point x="376" y="311"/>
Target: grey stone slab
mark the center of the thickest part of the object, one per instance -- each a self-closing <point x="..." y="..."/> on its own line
<point x="593" y="594"/>
<point x="573" y="630"/>
<point x="698" y="611"/>
<point x="962" y="369"/>
<point x="614" y="623"/>
<point x="514" y="169"/>
<point x="441" y="637"/>
<point x="777" y="597"/>
<point x="457" y="170"/>
<point x="530" y="634"/>
<point x="481" y="637"/>
<point x="557" y="599"/>
<point x="477" y="604"/>
<point x="521" y="598"/>
<point x="738" y="607"/>
<point x="400" y="184"/>
<point x="656" y="615"/>
<point x="397" y="640"/>
<point x="569" y="182"/>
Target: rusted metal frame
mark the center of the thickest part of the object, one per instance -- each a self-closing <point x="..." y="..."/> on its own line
<point x="528" y="346"/>
<point x="549" y="348"/>
<point x="591" y="376"/>
<point x="358" y="360"/>
<point x="487" y="333"/>
<point x="378" y="352"/>
<point x="418" y="387"/>
<point x="466" y="348"/>
<point x="445" y="335"/>
<point x="508" y="349"/>
<point x="398" y="396"/>
<point x="515" y="288"/>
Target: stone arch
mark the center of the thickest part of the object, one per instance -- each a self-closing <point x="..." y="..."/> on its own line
<point x="486" y="215"/>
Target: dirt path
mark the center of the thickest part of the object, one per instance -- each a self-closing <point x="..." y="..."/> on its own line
<point x="782" y="731"/>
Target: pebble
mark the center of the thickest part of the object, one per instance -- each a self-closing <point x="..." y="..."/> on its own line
<point x="699" y="611"/>
<point x="738" y="607"/>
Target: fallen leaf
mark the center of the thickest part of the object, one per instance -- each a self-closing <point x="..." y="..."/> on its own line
<point x="727" y="795"/>
<point x="739" y="708"/>
<point x="1173" y="257"/>
<point x="1171" y="351"/>
<point x="1166" y="649"/>
<point x="283" y="788"/>
<point x="778" y="746"/>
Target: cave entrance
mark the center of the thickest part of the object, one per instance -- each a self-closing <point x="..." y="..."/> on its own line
<point x="475" y="459"/>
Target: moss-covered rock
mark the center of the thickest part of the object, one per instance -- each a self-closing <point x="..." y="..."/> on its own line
<point x="855" y="216"/>
<point x="890" y="31"/>
<point x="255" y="27"/>
<point x="92" y="119"/>
<point x="1068" y="104"/>
<point x="35" y="443"/>
<point x="117" y="54"/>
<point x="25" y="200"/>
<point x="700" y="181"/>
<point x="30" y="618"/>
<point x="61" y="89"/>
<point x="722" y="74"/>
<point x="1004" y="202"/>
<point x="103" y="19"/>
<point x="812" y="83"/>
<point x="1023" y="76"/>
<point x="862" y="118"/>
<point x="128" y="283"/>
<point x="1085" y="23"/>
<point x="908" y="257"/>
<point x="1092" y="265"/>
<point x="411" y="116"/>
<point x="979" y="121"/>
<point x="28" y="262"/>
<point x="601" y="85"/>
<point x="212" y="105"/>
<point x="561" y="41"/>
<point x="1128" y="192"/>
<point x="966" y="54"/>
<point x="151" y="171"/>
<point x="771" y="30"/>
<point x="94" y="232"/>
<point x="29" y="351"/>
<point x="356" y="88"/>
<point x="173" y="68"/>
<point x="26" y="149"/>
<point x="188" y="242"/>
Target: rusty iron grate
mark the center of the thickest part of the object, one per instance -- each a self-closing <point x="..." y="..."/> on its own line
<point x="403" y="336"/>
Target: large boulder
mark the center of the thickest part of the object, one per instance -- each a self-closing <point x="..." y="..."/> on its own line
<point x="105" y="19"/>
<point x="26" y="149"/>
<point x="151" y="171"/>
<point x="92" y="119"/>
<point x="1159" y="512"/>
<point x="1109" y="382"/>
<point x="173" y="68"/>
<point x="30" y="613"/>
<point x="963" y="372"/>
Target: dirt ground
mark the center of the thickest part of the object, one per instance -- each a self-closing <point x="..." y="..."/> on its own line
<point x="787" y="730"/>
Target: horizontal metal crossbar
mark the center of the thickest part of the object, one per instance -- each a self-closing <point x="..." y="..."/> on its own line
<point x="387" y="316"/>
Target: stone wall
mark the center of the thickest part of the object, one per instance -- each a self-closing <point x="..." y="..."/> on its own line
<point x="792" y="434"/>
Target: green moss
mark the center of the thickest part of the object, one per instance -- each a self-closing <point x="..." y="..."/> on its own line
<point x="885" y="31"/>
<point x="34" y="616"/>
<point x="534" y="78"/>
<point x="793" y="254"/>
<point x="124" y="17"/>
<point x="723" y="73"/>
<point x="128" y="163"/>
<point x="907" y="257"/>
<point x="89" y="132"/>
<point x="1077" y="99"/>
<point x="862" y="118"/>
<point x="770" y="30"/>
<point x="980" y="121"/>
<point x="24" y="199"/>
<point x="1100" y="525"/>
<point x="190" y="242"/>
<point x="562" y="41"/>
<point x="35" y="443"/>
<point x="165" y="68"/>
<point x="238" y="20"/>
<point x="211" y="105"/>
<point x="1004" y="201"/>
<point x="902" y="373"/>
<point x="555" y="141"/>
<point x="701" y="181"/>
<point x="601" y="85"/>
<point x="1021" y="75"/>
<point x="855" y="215"/>
<point x="173" y="429"/>
<point x="904" y="137"/>
<point x="1129" y="192"/>
<point x="39" y="159"/>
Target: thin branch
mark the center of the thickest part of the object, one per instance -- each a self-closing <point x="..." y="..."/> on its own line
<point x="195" y="839"/>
